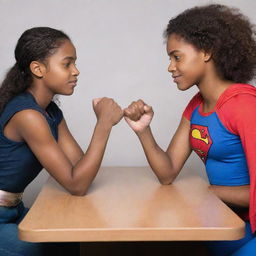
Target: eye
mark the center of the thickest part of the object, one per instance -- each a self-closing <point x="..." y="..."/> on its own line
<point x="177" y="58"/>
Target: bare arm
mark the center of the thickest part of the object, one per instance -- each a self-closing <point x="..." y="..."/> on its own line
<point x="68" y="144"/>
<point x="236" y="196"/>
<point x="166" y="165"/>
<point x="76" y="171"/>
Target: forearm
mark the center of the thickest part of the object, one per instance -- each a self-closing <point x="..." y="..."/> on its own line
<point x="234" y="196"/>
<point x="86" y="169"/>
<point x="158" y="159"/>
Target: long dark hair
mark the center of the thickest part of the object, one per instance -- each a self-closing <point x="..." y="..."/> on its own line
<point x="35" y="44"/>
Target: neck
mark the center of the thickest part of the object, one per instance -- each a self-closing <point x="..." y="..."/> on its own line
<point x="211" y="87"/>
<point x="42" y="97"/>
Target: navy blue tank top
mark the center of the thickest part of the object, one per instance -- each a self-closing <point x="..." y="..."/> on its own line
<point x="18" y="165"/>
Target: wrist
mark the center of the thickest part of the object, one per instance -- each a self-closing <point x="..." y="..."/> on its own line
<point x="104" y="125"/>
<point x="143" y="132"/>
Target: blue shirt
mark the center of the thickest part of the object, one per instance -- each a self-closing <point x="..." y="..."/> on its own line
<point x="18" y="164"/>
<point x="221" y="136"/>
<point x="221" y="151"/>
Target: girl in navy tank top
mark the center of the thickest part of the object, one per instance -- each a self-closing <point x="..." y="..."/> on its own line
<point x="34" y="134"/>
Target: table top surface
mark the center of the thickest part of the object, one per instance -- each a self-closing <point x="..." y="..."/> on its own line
<point x="129" y="204"/>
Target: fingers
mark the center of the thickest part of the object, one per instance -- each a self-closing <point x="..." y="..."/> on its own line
<point x="109" y="102"/>
<point x="105" y="103"/>
<point x="137" y="109"/>
<point x="107" y="110"/>
<point x="102" y="101"/>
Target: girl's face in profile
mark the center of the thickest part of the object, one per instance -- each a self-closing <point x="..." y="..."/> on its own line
<point x="187" y="64"/>
<point x="60" y="75"/>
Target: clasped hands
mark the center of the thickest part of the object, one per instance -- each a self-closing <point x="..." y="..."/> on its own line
<point x="138" y="114"/>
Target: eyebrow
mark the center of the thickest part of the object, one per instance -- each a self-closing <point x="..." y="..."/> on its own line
<point x="172" y="52"/>
<point x="69" y="58"/>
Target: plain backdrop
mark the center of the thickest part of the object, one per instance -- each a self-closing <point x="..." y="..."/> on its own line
<point x="121" y="54"/>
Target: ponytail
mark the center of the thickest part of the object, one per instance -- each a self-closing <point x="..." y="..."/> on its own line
<point x="13" y="84"/>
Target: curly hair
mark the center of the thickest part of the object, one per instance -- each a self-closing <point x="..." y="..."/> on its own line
<point x="35" y="44"/>
<point x="225" y="33"/>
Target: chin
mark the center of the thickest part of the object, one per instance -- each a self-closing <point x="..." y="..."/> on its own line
<point x="183" y="87"/>
<point x="67" y="93"/>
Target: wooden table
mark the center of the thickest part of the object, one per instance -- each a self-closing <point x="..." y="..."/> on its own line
<point x="129" y="204"/>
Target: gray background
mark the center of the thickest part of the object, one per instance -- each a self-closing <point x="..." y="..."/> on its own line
<point x="121" y="54"/>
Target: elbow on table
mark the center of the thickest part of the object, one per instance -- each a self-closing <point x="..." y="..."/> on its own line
<point x="76" y="186"/>
<point x="77" y="190"/>
<point x="78" y="193"/>
<point x="165" y="176"/>
<point x="165" y="181"/>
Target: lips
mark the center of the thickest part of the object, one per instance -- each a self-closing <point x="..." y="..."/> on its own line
<point x="176" y="77"/>
<point x="73" y="82"/>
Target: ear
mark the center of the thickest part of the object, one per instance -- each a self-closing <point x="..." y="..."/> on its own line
<point x="37" y="68"/>
<point x="207" y="56"/>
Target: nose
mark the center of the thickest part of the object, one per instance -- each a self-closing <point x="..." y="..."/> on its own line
<point x="75" y="71"/>
<point x="171" y="67"/>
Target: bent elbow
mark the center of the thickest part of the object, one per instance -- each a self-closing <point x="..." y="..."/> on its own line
<point x="77" y="188"/>
<point x="76" y="191"/>
<point x="165" y="181"/>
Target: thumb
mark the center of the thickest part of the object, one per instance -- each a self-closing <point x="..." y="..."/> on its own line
<point x="128" y="120"/>
<point x="148" y="109"/>
<point x="96" y="101"/>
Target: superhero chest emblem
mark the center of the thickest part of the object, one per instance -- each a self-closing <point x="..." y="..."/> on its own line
<point x="200" y="140"/>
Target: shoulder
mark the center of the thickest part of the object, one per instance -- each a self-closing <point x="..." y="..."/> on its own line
<point x="29" y="118"/>
<point x="23" y="100"/>
<point x="238" y="110"/>
<point x="194" y="102"/>
<point x="238" y="98"/>
<point x="239" y="106"/>
<point x="236" y="92"/>
<point x="30" y="123"/>
<point x="20" y="102"/>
